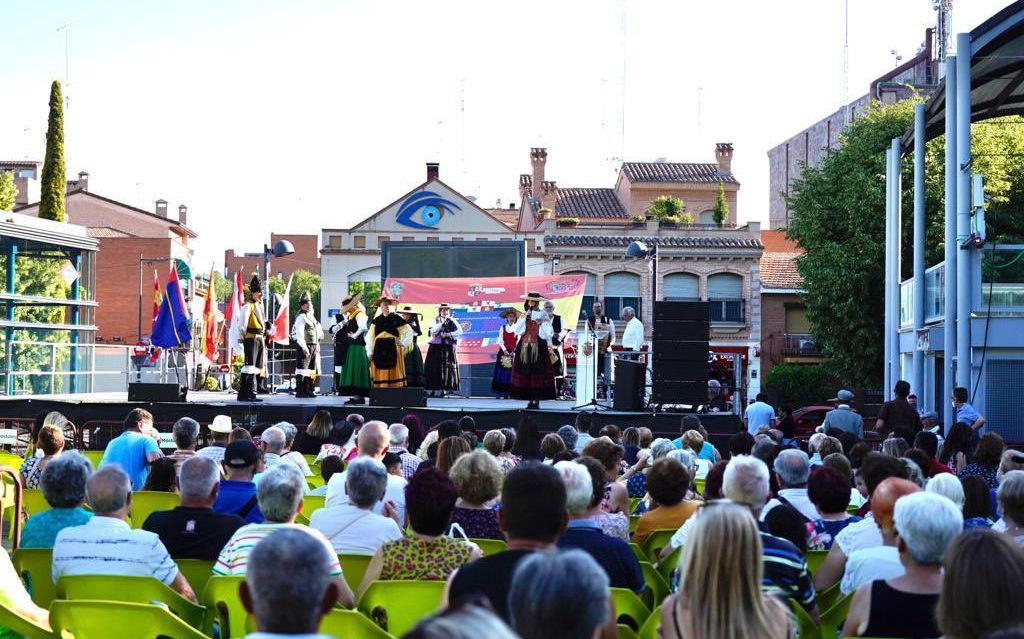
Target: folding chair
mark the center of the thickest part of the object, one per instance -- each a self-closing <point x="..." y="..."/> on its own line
<point x="84" y="619"/>
<point x="145" y="502"/>
<point x="396" y="606"/>
<point x="629" y="605"/>
<point x="832" y="620"/>
<point x="311" y="503"/>
<point x="33" y="566"/>
<point x="197" y="572"/>
<point x="657" y="540"/>
<point x="814" y="560"/>
<point x="353" y="567"/>
<point x="657" y="588"/>
<point x="668" y="565"/>
<point x="650" y="628"/>
<point x="490" y="546"/>
<point x="224" y="605"/>
<point x="23" y="627"/>
<point x="33" y="502"/>
<point x="143" y="590"/>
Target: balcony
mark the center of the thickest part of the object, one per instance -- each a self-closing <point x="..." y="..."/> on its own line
<point x="728" y="311"/>
<point x="800" y="345"/>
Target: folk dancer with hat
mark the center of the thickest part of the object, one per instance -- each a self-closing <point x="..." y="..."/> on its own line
<point x="598" y="321"/>
<point x="306" y="333"/>
<point x="442" y="365"/>
<point x="501" y="382"/>
<point x="386" y="340"/>
<point x="413" y="356"/>
<point x="351" y="364"/>
<point x="253" y="327"/>
<point x="533" y="375"/>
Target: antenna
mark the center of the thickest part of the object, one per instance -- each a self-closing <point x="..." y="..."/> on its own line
<point x="846" y="63"/>
<point x="943" y="30"/>
<point x="462" y="122"/>
<point x="67" y="61"/>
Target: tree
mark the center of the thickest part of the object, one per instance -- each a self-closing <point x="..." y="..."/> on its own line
<point x="302" y="280"/>
<point x="54" y="185"/>
<point x="721" y="206"/>
<point x="666" y="206"/>
<point x="8" y="191"/>
<point x="222" y="288"/>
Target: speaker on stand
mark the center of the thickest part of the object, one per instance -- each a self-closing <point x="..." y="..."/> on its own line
<point x="680" y="347"/>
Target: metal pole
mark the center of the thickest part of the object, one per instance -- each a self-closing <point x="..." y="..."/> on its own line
<point x="76" y="315"/>
<point x="12" y="281"/>
<point x="949" y="311"/>
<point x="964" y="277"/>
<point x="897" y="256"/>
<point x="138" y="334"/>
<point x="887" y="288"/>
<point x="917" y="372"/>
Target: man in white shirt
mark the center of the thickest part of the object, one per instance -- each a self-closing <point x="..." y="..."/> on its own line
<point x="793" y="468"/>
<point x="353" y="527"/>
<point x="633" y="334"/>
<point x="373" y="442"/>
<point x="272" y="441"/>
<point x="759" y="414"/>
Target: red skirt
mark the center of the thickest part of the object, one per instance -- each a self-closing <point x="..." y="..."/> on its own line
<point x="533" y="380"/>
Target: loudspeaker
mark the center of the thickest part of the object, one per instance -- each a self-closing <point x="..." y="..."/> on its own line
<point x="681" y="334"/>
<point x="629" y="384"/>
<point x="408" y="396"/>
<point x="147" y="392"/>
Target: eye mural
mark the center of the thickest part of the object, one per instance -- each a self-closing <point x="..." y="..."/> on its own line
<point x="424" y="210"/>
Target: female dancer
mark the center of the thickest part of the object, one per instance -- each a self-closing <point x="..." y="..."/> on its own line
<point x="388" y="336"/>
<point x="351" y="364"/>
<point x="413" y="356"/>
<point x="441" y="368"/>
<point x="501" y="383"/>
<point x="533" y="376"/>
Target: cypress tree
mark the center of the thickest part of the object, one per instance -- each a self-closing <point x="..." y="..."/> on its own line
<point x="54" y="184"/>
<point x="721" y="206"/>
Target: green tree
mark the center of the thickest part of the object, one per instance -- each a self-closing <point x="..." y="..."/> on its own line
<point x="721" y="206"/>
<point x="301" y="281"/>
<point x="666" y="207"/>
<point x="222" y="288"/>
<point x="54" y="184"/>
<point x="8" y="191"/>
<point x="798" y="384"/>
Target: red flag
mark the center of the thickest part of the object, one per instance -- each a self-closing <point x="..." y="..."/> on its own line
<point x="210" y="322"/>
<point x="234" y="315"/>
<point x="279" y="332"/>
<point x="157" y="298"/>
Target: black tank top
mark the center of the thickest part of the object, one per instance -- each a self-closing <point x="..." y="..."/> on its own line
<point x="895" y="613"/>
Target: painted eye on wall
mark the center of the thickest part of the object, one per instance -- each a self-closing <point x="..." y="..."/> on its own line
<point x="424" y="210"/>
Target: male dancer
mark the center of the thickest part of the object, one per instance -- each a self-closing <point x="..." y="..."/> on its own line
<point x="556" y="347"/>
<point x="306" y="332"/>
<point x="253" y="327"/>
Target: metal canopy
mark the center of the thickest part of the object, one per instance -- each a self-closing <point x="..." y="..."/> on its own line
<point x="997" y="74"/>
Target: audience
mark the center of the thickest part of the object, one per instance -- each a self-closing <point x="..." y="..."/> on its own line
<point x="293" y="456"/>
<point x="668" y="482"/>
<point x="469" y="620"/>
<point x="569" y="437"/>
<point x="478" y="478"/>
<point x="584" y="421"/>
<point x="615" y="498"/>
<point x="272" y="442"/>
<point x="982" y="580"/>
<point x="563" y="595"/>
<point x="193" y="530"/>
<point x="220" y="429"/>
<point x="829" y="490"/>
<point x="373" y="440"/>
<point x="630" y="444"/>
<point x="50" y="442"/>
<point x="133" y="451"/>
<point x="929" y="443"/>
<point x="163" y="476"/>
<point x="636" y="475"/>
<point x="186" y="437"/>
<point x="416" y="430"/>
<point x="741" y="443"/>
<point x="1011" y="505"/>
<point x="986" y="460"/>
<point x="842" y="464"/>
<point x="793" y="468"/>
<point x="317" y="433"/>
<point x="352" y="527"/>
<point x="237" y="495"/>
<point x="329" y="467"/>
<point x="398" y="438"/>
<point x="896" y="447"/>
<point x="977" y="503"/>
<point x="881" y="561"/>
<point x="948" y="486"/>
<point x="63" y="483"/>
<point x="786" y="523"/>
<point x="956" y="450"/>
<point x="449" y="450"/>
<point x="612" y="524"/>
<point x="494" y="443"/>
<point x="240" y="434"/>
<point x="527" y="443"/>
<point x="551" y="446"/>
<point x="712" y="491"/>
<point x="107" y="545"/>
<point x="341" y="441"/>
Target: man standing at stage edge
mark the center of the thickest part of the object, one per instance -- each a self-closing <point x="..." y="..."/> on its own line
<point x="254" y="344"/>
<point x="306" y="332"/>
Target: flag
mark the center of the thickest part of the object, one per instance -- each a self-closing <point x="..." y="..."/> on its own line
<point x="279" y="332"/>
<point x="210" y="322"/>
<point x="171" y="327"/>
<point x="157" y="298"/>
<point x="233" y="316"/>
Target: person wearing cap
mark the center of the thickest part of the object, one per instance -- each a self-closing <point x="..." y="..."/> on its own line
<point x="386" y="339"/>
<point x="237" y="496"/>
<point x="306" y="333"/>
<point x="253" y="326"/>
<point x="533" y="375"/>
<point x="351" y="365"/>
<point x="501" y="381"/>
<point x="413" y="356"/>
<point x="441" y="368"/>
<point x="220" y="428"/>
<point x="843" y="416"/>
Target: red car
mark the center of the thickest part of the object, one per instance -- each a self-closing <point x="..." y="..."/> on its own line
<point x="808" y="418"/>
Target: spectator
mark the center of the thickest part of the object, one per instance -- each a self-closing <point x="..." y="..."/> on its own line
<point x="967" y="414"/>
<point x="982" y="580"/>
<point x="612" y="432"/>
<point x="427" y="553"/>
<point x="478" y="477"/>
<point x="186" y="437"/>
<point x="449" y="450"/>
<point x="1012" y="460"/>
<point x="741" y="443"/>
<point x="317" y="433"/>
<point x="220" y="430"/>
<point x="329" y="467"/>
<point x="510" y="443"/>
<point x="956" y="450"/>
<point x="882" y="561"/>
<point x="398" y="437"/>
<point x="829" y="490"/>
<point x="949" y="487"/>
<point x="272" y="443"/>
<point x="904" y="606"/>
<point x="914" y="472"/>
<point x="986" y="460"/>
<point x="550" y="446"/>
<point x="630" y="444"/>
<point x="373" y="442"/>
<point x="636" y="475"/>
<point x="494" y="443"/>
<point x="842" y="464"/>
<point x="896" y="447"/>
<point x="107" y="545"/>
<point x="533" y="516"/>
<point x="583" y="422"/>
<point x="765" y="448"/>
<point x="1011" y="504"/>
<point x="897" y="412"/>
<point x="292" y="456"/>
<point x="793" y="468"/>
<point x="616" y="497"/>
<point x="527" y="444"/>
<point x="163" y="476"/>
<point x="843" y="416"/>
<point x="920" y="459"/>
<point x="786" y="523"/>
<point x="929" y="443"/>
<point x="712" y="491"/>
<point x="289" y="587"/>
<point x="44" y="418"/>
<point x="726" y="543"/>
<point x="193" y="530"/>
<point x="612" y="524"/>
<point x="17" y="600"/>
<point x="786" y="425"/>
<point x="569" y="436"/>
<point x="392" y="464"/>
<point x="416" y="430"/>
<point x="667" y="483"/>
<point x="444" y="430"/>
<point x="614" y="555"/>
<point x="977" y="503"/>
<point x="237" y="496"/>
<point x="468" y="620"/>
<point x="646" y="437"/>
<point x="51" y="442"/>
<point x="63" y="484"/>
<point x="240" y="434"/>
<point x="562" y="595"/>
<point x="133" y="451"/>
<point x="814" y="448"/>
<point x="280" y="494"/>
<point x="693" y="440"/>
<point x="829" y="446"/>
<point x="759" y="414"/>
<point x="352" y="527"/>
<point x="342" y="439"/>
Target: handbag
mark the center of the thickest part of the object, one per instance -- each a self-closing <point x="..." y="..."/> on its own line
<point x="505" y="360"/>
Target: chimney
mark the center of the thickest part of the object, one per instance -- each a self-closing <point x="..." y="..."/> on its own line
<point x="549" y="194"/>
<point x="161" y="207"/>
<point x="183" y="215"/>
<point x="433" y="171"/>
<point x="538" y="158"/>
<point x="723" y="155"/>
<point x="83" y="180"/>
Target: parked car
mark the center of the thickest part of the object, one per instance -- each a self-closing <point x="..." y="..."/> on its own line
<point x="808" y="418"/>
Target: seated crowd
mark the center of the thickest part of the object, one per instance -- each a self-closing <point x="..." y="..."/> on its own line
<point x="915" y="538"/>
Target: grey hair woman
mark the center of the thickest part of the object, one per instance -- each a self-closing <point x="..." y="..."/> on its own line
<point x="562" y="595"/>
<point x="63" y="482"/>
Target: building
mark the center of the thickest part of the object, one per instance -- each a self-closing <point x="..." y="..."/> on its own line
<point x="306" y="257"/>
<point x="26" y="179"/>
<point x="785" y="332"/>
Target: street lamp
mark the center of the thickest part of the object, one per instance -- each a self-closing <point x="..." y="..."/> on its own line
<point x="640" y="249"/>
<point x="281" y="249"/>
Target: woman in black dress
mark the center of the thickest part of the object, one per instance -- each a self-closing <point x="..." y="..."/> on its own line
<point x="413" y="356"/>
<point x="441" y="369"/>
<point x="533" y="373"/>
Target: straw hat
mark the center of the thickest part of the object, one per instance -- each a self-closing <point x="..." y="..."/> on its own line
<point x="221" y="424"/>
<point x="533" y="296"/>
<point x="387" y="297"/>
<point x="508" y="311"/>
<point x="350" y="301"/>
<point x="408" y="309"/>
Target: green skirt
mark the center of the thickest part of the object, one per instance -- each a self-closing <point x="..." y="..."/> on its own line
<point x="414" y="366"/>
<point x="355" y="372"/>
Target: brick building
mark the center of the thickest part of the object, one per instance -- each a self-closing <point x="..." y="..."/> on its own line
<point x="306" y="257"/>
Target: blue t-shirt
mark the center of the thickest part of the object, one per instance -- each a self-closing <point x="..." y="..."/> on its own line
<point x="967" y="414"/>
<point x="707" y="451"/>
<point x="757" y="415"/>
<point x="130" y="451"/>
<point x="233" y="497"/>
<point x="41" y="529"/>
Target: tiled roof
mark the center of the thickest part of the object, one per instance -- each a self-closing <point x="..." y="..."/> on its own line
<point x="668" y="242"/>
<point x="508" y="217"/>
<point x="778" y="270"/>
<point x="577" y="202"/>
<point x="675" y="172"/>
<point x="106" y="231"/>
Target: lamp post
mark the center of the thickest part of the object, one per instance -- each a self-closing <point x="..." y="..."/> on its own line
<point x="640" y="249"/>
<point x="281" y="249"/>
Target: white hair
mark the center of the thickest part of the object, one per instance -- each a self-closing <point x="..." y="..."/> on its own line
<point x="684" y="457"/>
<point x="661" y="447"/>
<point x="198" y="476"/>
<point x="746" y="481"/>
<point x="279" y="492"/>
<point x="949" y="486"/>
<point x="814" y="443"/>
<point x="287" y="575"/>
<point x="274" y="438"/>
<point x="366" y="479"/>
<point x="398" y="434"/>
<point x="793" y="467"/>
<point x="927" y="523"/>
<point x="558" y="594"/>
<point x="579" y="487"/>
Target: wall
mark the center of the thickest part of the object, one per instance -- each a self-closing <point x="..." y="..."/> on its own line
<point x="697" y="197"/>
<point x="117" y="285"/>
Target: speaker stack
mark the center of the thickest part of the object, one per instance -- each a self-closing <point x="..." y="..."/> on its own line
<point x="680" y="343"/>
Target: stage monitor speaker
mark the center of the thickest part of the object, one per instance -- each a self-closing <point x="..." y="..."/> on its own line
<point x="679" y="392"/>
<point x="630" y="377"/>
<point x="681" y="311"/>
<point x="148" y="392"/>
<point x="408" y="396"/>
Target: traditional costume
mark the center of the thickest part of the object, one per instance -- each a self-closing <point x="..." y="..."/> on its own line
<point x="556" y="350"/>
<point x="501" y="381"/>
<point x="441" y="369"/>
<point x="253" y="329"/>
<point x="386" y="339"/>
<point x="533" y="375"/>
<point x="306" y="333"/>
<point x="413" y="356"/>
<point x="351" y="365"/>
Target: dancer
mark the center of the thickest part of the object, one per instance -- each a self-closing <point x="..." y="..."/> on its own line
<point x="557" y="335"/>
<point x="306" y="333"/>
<point x="413" y="356"/>
<point x="388" y="335"/>
<point x="601" y="323"/>
<point x="253" y="326"/>
<point x="351" y="365"/>
<point x="441" y="369"/>
<point x="501" y="382"/>
<point x="533" y="376"/>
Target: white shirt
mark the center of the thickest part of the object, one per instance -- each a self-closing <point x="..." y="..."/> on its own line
<point x="757" y="415"/>
<point x="869" y="564"/>
<point x="797" y="498"/>
<point x="544" y="331"/>
<point x="352" y="530"/>
<point x="109" y="546"/>
<point x="633" y="335"/>
<point x="296" y="458"/>
<point x="859" y="535"/>
<point x="394" y="492"/>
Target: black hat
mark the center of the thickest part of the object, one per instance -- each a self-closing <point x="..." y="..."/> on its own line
<point x="305" y="299"/>
<point x="241" y="454"/>
<point x="255" y="285"/>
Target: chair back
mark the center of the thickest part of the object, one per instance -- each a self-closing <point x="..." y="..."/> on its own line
<point x="197" y="572"/>
<point x="806" y="628"/>
<point x="33" y="502"/>
<point x="657" y="540"/>
<point x="85" y="619"/>
<point x="10" y="502"/>
<point x="657" y="588"/>
<point x="341" y="623"/>
<point x="814" y="560"/>
<point x="33" y="566"/>
<point x="19" y="625"/>
<point x="650" y="628"/>
<point x="396" y="606"/>
<point x="224" y="605"/>
<point x="146" y="502"/>
<point x="832" y="619"/>
<point x="310" y="459"/>
<point x="311" y="503"/>
<point x="668" y="565"/>
<point x="353" y="567"/>
<point x="629" y="608"/>
<point x="490" y="546"/>
<point x="95" y="456"/>
<point x="145" y="590"/>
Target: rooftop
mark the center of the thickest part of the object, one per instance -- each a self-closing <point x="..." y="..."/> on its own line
<point x="675" y="172"/>
<point x="682" y="241"/>
<point x="588" y="202"/>
<point x="778" y="270"/>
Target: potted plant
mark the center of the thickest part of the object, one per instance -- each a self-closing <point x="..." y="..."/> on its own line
<point x="638" y="220"/>
<point x="568" y="222"/>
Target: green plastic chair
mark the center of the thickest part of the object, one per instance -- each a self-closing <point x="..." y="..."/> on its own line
<point x="18" y="624"/>
<point x="657" y="588"/>
<point x="633" y="501"/>
<point x="314" y="481"/>
<point x="86" y="619"/>
<point x="341" y="623"/>
<point x="700" y="485"/>
<point x="650" y="628"/>
<point x="11" y="459"/>
<point x="224" y="606"/>
<point x="145" y="502"/>
<point x="309" y="460"/>
<point x="814" y="560"/>
<point x="490" y="546"/>
<point x="832" y="620"/>
<point x="33" y="566"/>
<point x="828" y="597"/>
<point x="197" y="572"/>
<point x="143" y="590"/>
<point x="634" y="522"/>
<point x="396" y="606"/>
<point x="806" y="628"/>
<point x="95" y="456"/>
<point x="33" y="502"/>
<point x="657" y="540"/>
<point x="622" y="631"/>
<point x="628" y="605"/>
<point x="311" y="503"/>
<point x="353" y="567"/>
<point x="638" y="551"/>
<point x="670" y="563"/>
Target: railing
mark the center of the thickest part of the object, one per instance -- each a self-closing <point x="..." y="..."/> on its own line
<point x="800" y="344"/>
<point x="1002" y="279"/>
<point x="728" y="311"/>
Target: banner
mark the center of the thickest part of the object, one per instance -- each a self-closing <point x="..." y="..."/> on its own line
<point x="476" y="303"/>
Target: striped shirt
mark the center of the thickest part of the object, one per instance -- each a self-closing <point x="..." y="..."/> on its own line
<point x="108" y="546"/>
<point x="785" y="572"/>
<point x="213" y="451"/>
<point x="234" y="559"/>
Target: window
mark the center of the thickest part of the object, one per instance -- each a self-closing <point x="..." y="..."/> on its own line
<point x="621" y="290"/>
<point x="796" y="319"/>
<point x="531" y="245"/>
<point x="334" y="241"/>
<point x="589" y="290"/>
<point x="381" y="240"/>
<point x="725" y="294"/>
<point x="358" y="241"/>
<point x="408" y="238"/>
<point x="707" y="217"/>
<point x="680" y="287"/>
<point x="367" y="282"/>
<point x="431" y="238"/>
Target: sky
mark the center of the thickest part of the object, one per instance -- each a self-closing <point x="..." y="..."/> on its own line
<point x="301" y="115"/>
